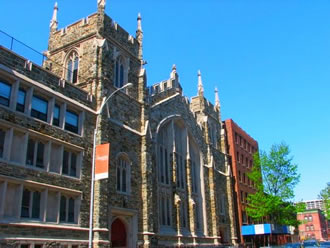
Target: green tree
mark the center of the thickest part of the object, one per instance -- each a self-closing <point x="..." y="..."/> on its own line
<point x="274" y="177"/>
<point x="325" y="196"/>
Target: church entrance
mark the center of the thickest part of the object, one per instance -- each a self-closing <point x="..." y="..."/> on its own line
<point x="118" y="234"/>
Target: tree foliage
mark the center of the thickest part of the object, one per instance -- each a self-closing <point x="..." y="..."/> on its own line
<point x="325" y="196"/>
<point x="274" y="177"/>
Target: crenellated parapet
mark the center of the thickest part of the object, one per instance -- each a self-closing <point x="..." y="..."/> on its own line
<point x="66" y="36"/>
<point x="166" y="88"/>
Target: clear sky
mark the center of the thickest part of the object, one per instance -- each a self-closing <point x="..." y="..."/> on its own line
<point x="269" y="59"/>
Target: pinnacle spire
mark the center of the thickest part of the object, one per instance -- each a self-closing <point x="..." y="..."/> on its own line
<point x="101" y="5"/>
<point x="139" y="35"/>
<point x="200" y="84"/>
<point x="217" y="101"/>
<point x="139" y="26"/>
<point x="173" y="72"/>
<point x="53" y="21"/>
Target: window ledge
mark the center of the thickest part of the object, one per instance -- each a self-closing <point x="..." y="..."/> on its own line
<point x="123" y="193"/>
<point x="40" y="224"/>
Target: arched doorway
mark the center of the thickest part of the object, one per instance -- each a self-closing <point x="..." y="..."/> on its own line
<point x="118" y="234"/>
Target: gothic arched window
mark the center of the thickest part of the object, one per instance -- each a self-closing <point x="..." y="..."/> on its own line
<point x="72" y="65"/>
<point x="123" y="174"/>
<point x="119" y="72"/>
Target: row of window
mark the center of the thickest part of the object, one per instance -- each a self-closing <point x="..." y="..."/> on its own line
<point x="240" y="159"/>
<point x="46" y="245"/>
<point x="165" y="217"/>
<point x="24" y="202"/>
<point x="309" y="227"/>
<point x="244" y="144"/>
<point x="72" y="67"/>
<point x="26" y="100"/>
<point x="245" y="179"/>
<point x="308" y="218"/>
<point x="164" y="169"/>
<point x="244" y="197"/>
<point x="34" y="152"/>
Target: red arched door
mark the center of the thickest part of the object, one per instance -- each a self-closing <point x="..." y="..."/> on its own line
<point x="118" y="234"/>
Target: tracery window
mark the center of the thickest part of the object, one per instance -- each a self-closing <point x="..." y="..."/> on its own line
<point x="123" y="174"/>
<point x="72" y="66"/>
<point x="178" y="156"/>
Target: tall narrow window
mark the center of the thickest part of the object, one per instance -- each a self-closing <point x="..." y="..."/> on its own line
<point x="30" y="206"/>
<point x="20" y="105"/>
<point x="5" y="91"/>
<point x="2" y="142"/>
<point x="63" y="209"/>
<point x="71" y="210"/>
<point x="67" y="209"/>
<point x="71" y="121"/>
<point x="69" y="165"/>
<point x="56" y="115"/>
<point x="72" y="68"/>
<point x="180" y="170"/>
<point x="197" y="219"/>
<point x="39" y="108"/>
<point x="183" y="214"/>
<point x="123" y="175"/>
<point x="119" y="72"/>
<point x="35" y="153"/>
<point x="25" y="208"/>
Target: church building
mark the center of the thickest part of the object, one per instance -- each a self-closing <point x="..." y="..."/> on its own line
<point x="168" y="181"/>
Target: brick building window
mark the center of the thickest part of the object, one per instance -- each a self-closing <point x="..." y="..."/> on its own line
<point x="5" y="92"/>
<point x="72" y="66"/>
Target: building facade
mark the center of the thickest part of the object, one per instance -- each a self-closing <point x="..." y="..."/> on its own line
<point x="314" y="204"/>
<point x="169" y="181"/>
<point x="241" y="148"/>
<point x="313" y="225"/>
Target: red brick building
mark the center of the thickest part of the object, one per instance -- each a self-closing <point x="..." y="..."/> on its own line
<point x="241" y="148"/>
<point x="314" y="225"/>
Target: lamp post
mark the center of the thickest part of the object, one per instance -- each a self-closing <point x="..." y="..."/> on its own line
<point x="91" y="210"/>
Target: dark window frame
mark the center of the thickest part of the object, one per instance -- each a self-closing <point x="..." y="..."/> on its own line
<point x="4" y="99"/>
<point x="35" y="112"/>
<point x="69" y="126"/>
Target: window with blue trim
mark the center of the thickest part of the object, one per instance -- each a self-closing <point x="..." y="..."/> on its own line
<point x="71" y="121"/>
<point x="39" y="108"/>
<point x="5" y="91"/>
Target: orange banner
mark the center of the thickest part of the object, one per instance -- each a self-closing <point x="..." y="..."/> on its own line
<point x="102" y="157"/>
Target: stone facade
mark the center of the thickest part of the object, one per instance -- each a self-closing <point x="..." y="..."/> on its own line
<point x="169" y="182"/>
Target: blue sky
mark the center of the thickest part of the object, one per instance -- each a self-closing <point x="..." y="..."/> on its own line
<point x="269" y="59"/>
